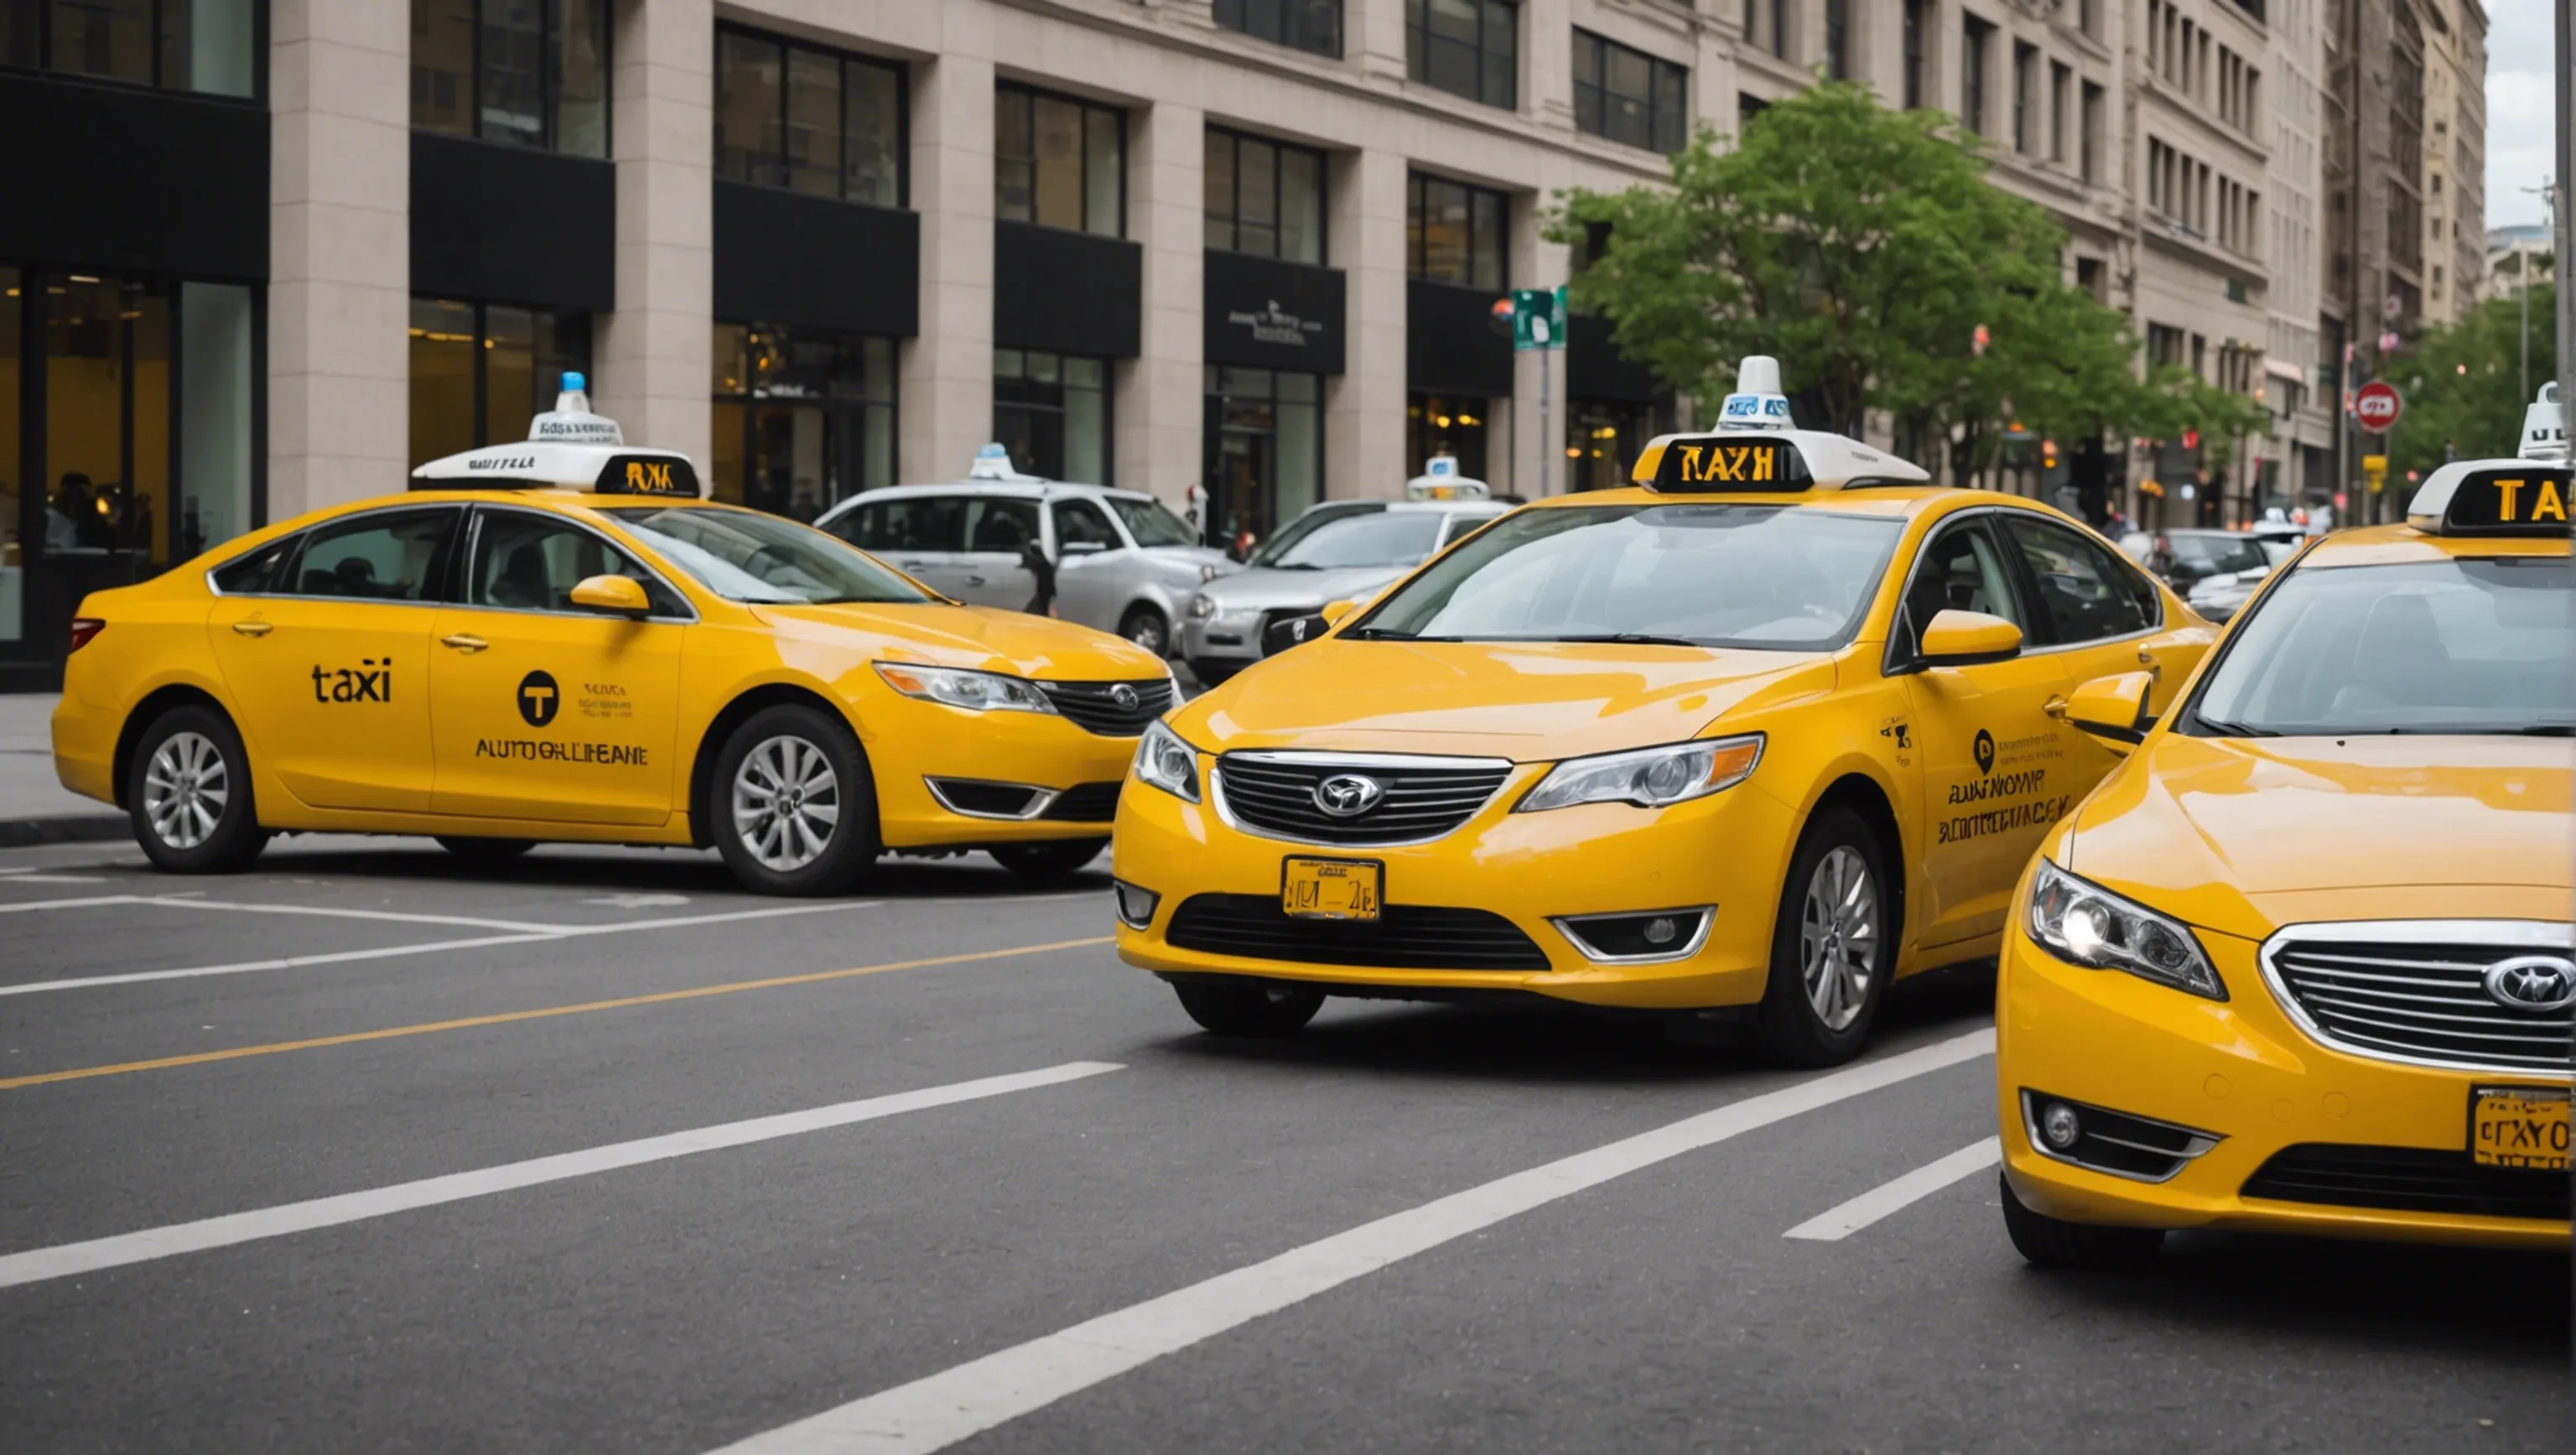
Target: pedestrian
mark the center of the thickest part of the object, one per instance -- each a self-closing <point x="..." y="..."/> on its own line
<point x="1041" y="568"/>
<point x="2161" y="560"/>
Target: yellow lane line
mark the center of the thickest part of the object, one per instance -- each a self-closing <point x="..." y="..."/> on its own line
<point x="700" y="992"/>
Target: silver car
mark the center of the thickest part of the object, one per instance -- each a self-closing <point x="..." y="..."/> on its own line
<point x="1340" y="549"/>
<point x="1124" y="562"/>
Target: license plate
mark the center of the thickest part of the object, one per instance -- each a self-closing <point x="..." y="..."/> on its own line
<point x="1332" y="888"/>
<point x="2519" y="1126"/>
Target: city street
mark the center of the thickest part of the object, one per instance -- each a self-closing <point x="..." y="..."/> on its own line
<point x="361" y="1151"/>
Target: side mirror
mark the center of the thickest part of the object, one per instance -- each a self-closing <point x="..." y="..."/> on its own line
<point x="1334" y="611"/>
<point x="1080" y="548"/>
<point x="617" y="595"/>
<point x="1958" y="638"/>
<point x="2111" y="711"/>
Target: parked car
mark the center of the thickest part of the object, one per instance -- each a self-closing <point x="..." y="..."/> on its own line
<point x="1123" y="561"/>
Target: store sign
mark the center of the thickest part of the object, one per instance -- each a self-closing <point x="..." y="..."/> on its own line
<point x="1272" y="324"/>
<point x="1263" y="313"/>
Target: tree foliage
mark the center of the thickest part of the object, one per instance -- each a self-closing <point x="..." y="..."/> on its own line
<point x="1865" y="248"/>
<point x="2462" y="382"/>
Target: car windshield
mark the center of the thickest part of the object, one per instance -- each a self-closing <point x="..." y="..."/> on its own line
<point x="1150" y="523"/>
<point x="742" y="555"/>
<point x="1783" y="578"/>
<point x="2208" y="555"/>
<point x="1305" y="525"/>
<point x="1379" y="538"/>
<point x="2454" y="646"/>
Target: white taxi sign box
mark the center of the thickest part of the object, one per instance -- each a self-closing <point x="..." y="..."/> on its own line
<point x="1759" y="450"/>
<point x="2544" y="428"/>
<point x="570" y="422"/>
<point x="592" y="469"/>
<point x="1440" y="480"/>
<point x="993" y="462"/>
<point x="2507" y="497"/>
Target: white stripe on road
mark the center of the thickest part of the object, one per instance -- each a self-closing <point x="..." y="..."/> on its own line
<point x="1837" y="1223"/>
<point x="334" y="912"/>
<point x="944" y="1408"/>
<point x="24" y="905"/>
<point x="324" y="1212"/>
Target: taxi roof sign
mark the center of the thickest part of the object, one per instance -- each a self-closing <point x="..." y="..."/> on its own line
<point x="2518" y="497"/>
<point x="1758" y="449"/>
<point x="993" y="462"/>
<point x="1440" y="480"/>
<point x="2544" y="428"/>
<point x="596" y="469"/>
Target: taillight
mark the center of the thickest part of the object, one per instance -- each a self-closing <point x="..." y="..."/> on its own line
<point x="83" y="629"/>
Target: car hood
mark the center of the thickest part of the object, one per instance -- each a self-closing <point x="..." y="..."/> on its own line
<point x="1526" y="701"/>
<point x="940" y="634"/>
<point x="2245" y="835"/>
<point x="1193" y="557"/>
<point x="1262" y="588"/>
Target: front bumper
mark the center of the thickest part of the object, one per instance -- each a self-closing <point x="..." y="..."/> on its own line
<point x="2238" y="1070"/>
<point x="1525" y="870"/>
<point x="1226" y="637"/>
<point x="915" y="742"/>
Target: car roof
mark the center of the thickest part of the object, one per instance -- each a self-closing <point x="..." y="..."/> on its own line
<point x="1897" y="501"/>
<point x="2389" y="545"/>
<point x="1007" y="489"/>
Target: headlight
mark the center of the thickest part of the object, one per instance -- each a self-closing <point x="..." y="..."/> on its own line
<point x="956" y="687"/>
<point x="1647" y="777"/>
<point x="2084" y="924"/>
<point x="1209" y="571"/>
<point x="1166" y="762"/>
<point x="1202" y="605"/>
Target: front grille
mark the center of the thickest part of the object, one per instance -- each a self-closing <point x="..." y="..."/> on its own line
<point x="2419" y="1000"/>
<point x="1409" y="937"/>
<point x="1094" y="706"/>
<point x="1424" y="798"/>
<point x="2407" y="1179"/>
<point x="1085" y="803"/>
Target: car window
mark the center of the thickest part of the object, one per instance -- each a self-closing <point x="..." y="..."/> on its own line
<point x="908" y="523"/>
<point x="744" y="555"/>
<point x="257" y="573"/>
<point x="1079" y="521"/>
<point x="1462" y="525"/>
<point x="1387" y="538"/>
<point x="1305" y="525"/>
<point x="1152" y="524"/>
<point x="531" y="563"/>
<point x="999" y="524"/>
<point x="385" y="556"/>
<point x="2211" y="555"/>
<point x="2086" y="594"/>
<point x="1959" y="569"/>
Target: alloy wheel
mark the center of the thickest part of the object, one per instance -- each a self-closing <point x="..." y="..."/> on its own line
<point x="1838" y="938"/>
<point x="786" y="802"/>
<point x="185" y="788"/>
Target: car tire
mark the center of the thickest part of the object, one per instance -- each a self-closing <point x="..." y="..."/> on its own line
<point x="1047" y="861"/>
<point x="484" y="853"/>
<point x="1232" y="1005"/>
<point x="1832" y="946"/>
<point x="1146" y="627"/>
<point x="2054" y="1243"/>
<point x="1210" y="671"/>
<point x="188" y="794"/>
<point x="791" y="807"/>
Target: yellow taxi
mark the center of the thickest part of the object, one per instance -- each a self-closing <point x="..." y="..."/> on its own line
<point x="561" y="640"/>
<point x="1750" y="740"/>
<point x="2303" y="962"/>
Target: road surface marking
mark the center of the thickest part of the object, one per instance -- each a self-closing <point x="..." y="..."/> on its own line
<point x="318" y="911"/>
<point x="1837" y="1223"/>
<point x="700" y="992"/>
<point x="35" y="875"/>
<point x="66" y="1259"/>
<point x="530" y="934"/>
<point x="91" y="901"/>
<point x="944" y="1408"/>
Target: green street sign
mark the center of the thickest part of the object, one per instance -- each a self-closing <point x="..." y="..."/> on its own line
<point x="1538" y="318"/>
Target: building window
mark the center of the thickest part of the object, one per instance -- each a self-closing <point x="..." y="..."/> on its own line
<point x="1436" y="424"/>
<point x="1306" y="25"/>
<point x="2061" y="94"/>
<point x="808" y="119"/>
<point x="1917" y="77"/>
<point x="1052" y="414"/>
<point x="207" y="46"/>
<point x="2164" y="345"/>
<point x="1059" y="162"/>
<point x="2088" y="149"/>
<point x="1629" y="96"/>
<point x="1455" y="233"/>
<point x="1780" y="28"/>
<point x="1973" y="37"/>
<point x="1838" y="40"/>
<point x="526" y="72"/>
<point x="1468" y="48"/>
<point x="804" y="418"/>
<point x="1264" y="197"/>
<point x="2025" y="98"/>
<point x="1603" y="438"/>
<point x="481" y="371"/>
<point x="1265" y="443"/>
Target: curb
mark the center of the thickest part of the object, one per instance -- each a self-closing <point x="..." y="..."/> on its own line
<point x="70" y="828"/>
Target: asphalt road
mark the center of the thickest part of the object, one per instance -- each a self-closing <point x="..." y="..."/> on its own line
<point x="361" y="1151"/>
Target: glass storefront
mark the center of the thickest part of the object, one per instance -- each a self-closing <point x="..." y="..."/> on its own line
<point x="127" y="415"/>
<point x="1602" y="438"/>
<point x="481" y="371"/>
<point x="804" y="418"/>
<point x="1052" y="413"/>
<point x="178" y="45"/>
<point x="1265" y="451"/>
<point x="1436" y="424"/>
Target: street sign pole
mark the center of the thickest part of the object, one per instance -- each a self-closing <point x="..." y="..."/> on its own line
<point x="1546" y="435"/>
<point x="1538" y="322"/>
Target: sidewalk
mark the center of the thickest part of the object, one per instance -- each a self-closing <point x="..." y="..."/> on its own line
<point x="34" y="809"/>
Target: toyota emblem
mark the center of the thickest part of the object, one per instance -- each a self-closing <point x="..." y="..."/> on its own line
<point x="1348" y="795"/>
<point x="2532" y="982"/>
<point x="1124" y="696"/>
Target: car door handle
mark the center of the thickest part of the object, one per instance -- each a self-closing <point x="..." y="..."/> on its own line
<point x="2055" y="707"/>
<point x="253" y="628"/>
<point x="464" y="642"/>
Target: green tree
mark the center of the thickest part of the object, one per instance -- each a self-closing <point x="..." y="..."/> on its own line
<point x="2462" y="383"/>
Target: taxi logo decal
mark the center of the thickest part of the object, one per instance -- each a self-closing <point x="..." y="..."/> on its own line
<point x="2508" y="501"/>
<point x="1124" y="695"/>
<point x="647" y="478"/>
<point x="1348" y="795"/>
<point x="1718" y="463"/>
<point x="539" y="699"/>
<point x="372" y="681"/>
<point x="2532" y="982"/>
<point x="1985" y="750"/>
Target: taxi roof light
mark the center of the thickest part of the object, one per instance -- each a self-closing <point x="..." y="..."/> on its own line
<point x="1440" y="480"/>
<point x="1758" y="448"/>
<point x="568" y="448"/>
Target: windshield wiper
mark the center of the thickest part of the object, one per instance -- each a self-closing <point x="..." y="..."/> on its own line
<point x="2234" y="729"/>
<point x="1626" y="639"/>
<point x="1384" y="634"/>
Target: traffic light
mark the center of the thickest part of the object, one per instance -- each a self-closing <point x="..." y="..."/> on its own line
<point x="2048" y="454"/>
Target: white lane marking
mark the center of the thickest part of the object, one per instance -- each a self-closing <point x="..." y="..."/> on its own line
<point x="334" y="912"/>
<point x="638" y="901"/>
<point x="531" y="934"/>
<point x="27" y="877"/>
<point x="91" y="902"/>
<point x="66" y="1259"/>
<point x="1837" y="1223"/>
<point x="944" y="1408"/>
